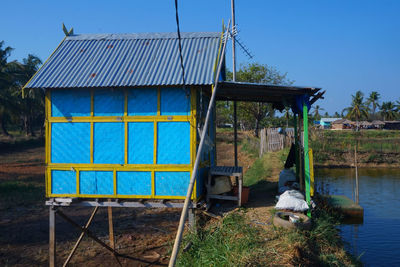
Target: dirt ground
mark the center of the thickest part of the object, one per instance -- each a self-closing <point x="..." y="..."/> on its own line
<point x="145" y="236"/>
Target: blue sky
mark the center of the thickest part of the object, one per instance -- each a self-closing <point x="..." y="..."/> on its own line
<point x="341" y="46"/>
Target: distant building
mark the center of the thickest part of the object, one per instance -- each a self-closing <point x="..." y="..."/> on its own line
<point x="342" y="124"/>
<point x="377" y="124"/>
<point x="392" y="125"/>
<point x="326" y="122"/>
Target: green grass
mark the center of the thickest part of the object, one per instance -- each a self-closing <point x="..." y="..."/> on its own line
<point x="368" y="141"/>
<point x="233" y="242"/>
<point x="15" y="193"/>
<point x="321" y="246"/>
<point x="251" y="146"/>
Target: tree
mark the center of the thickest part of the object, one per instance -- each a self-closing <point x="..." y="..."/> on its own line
<point x="254" y="114"/>
<point x="373" y="100"/>
<point x="316" y="112"/>
<point x="287" y="116"/>
<point x="388" y="111"/>
<point x="358" y="109"/>
<point x="7" y="103"/>
<point x="398" y="106"/>
<point x="31" y="101"/>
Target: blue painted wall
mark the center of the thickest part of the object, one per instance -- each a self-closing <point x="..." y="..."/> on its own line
<point x="70" y="142"/>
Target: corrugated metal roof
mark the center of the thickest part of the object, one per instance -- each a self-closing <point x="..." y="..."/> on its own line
<point x="124" y="60"/>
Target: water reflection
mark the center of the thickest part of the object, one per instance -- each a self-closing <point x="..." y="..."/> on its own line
<point x="378" y="238"/>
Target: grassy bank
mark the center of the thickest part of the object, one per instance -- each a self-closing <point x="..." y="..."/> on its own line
<point x="247" y="237"/>
<point x="374" y="147"/>
<point x="238" y="241"/>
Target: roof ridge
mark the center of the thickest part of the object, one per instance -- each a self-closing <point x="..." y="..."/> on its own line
<point x="146" y="35"/>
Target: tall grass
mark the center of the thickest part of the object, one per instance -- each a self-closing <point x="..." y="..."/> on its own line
<point x="233" y="242"/>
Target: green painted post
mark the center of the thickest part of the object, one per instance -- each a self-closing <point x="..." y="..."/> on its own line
<point x="296" y="145"/>
<point x="306" y="157"/>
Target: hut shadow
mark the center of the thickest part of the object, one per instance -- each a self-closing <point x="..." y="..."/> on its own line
<point x="262" y="194"/>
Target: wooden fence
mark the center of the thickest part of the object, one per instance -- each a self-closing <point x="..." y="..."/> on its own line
<point x="271" y="139"/>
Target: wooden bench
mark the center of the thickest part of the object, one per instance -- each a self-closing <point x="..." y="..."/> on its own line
<point x="237" y="172"/>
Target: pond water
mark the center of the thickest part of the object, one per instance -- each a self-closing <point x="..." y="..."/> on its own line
<point x="377" y="239"/>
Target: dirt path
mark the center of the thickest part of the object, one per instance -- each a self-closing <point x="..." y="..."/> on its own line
<point x="262" y="197"/>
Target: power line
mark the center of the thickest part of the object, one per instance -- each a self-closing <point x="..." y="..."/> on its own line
<point x="179" y="41"/>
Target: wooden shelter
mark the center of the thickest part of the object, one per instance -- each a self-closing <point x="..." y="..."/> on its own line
<point x="122" y="125"/>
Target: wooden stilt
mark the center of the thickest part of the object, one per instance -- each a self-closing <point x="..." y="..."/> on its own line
<point x="91" y="235"/>
<point x="52" y="236"/>
<point x="240" y="188"/>
<point x="192" y="219"/>
<point x="111" y="228"/>
<point x="80" y="237"/>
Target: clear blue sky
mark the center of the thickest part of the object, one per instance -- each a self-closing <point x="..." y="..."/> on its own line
<point x="341" y="45"/>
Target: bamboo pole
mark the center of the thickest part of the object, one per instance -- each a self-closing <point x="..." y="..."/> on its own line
<point x="355" y="164"/>
<point x="182" y="220"/>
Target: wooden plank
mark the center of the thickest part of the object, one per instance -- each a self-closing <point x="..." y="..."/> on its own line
<point x="126" y="204"/>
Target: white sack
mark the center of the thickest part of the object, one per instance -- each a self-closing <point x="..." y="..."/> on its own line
<point x="286" y="175"/>
<point x="292" y="200"/>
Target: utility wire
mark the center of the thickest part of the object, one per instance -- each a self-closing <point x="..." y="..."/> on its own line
<point x="179" y="41"/>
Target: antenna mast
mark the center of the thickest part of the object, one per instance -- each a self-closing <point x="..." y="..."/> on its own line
<point x="234" y="79"/>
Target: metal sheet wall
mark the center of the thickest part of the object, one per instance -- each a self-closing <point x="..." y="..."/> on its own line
<point x="122" y="148"/>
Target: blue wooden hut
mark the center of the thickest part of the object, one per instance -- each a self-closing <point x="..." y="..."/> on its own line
<point x="119" y="121"/>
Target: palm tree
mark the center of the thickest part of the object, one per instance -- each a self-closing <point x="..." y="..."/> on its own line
<point x="316" y="111"/>
<point x="373" y="100"/>
<point x="397" y="105"/>
<point x="388" y="111"/>
<point x="358" y="109"/>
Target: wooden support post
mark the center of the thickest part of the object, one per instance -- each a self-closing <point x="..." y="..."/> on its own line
<point x="192" y="219"/>
<point x="52" y="236"/>
<point x="355" y="165"/>
<point x="300" y="152"/>
<point x="111" y="228"/>
<point x="80" y="237"/>
<point x="91" y="235"/>
<point x="306" y="157"/>
<point x="235" y="131"/>
<point x="240" y="188"/>
<point x="296" y="145"/>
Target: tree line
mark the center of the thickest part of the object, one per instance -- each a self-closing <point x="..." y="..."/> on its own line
<point x="20" y="110"/>
<point x="365" y="108"/>
<point x="23" y="110"/>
